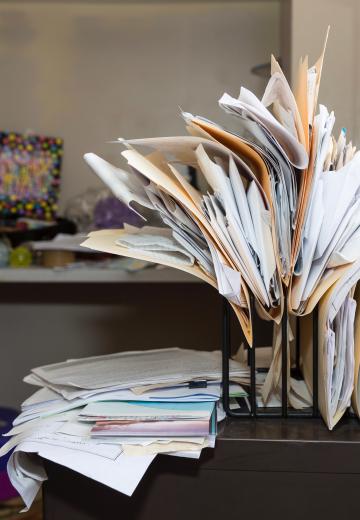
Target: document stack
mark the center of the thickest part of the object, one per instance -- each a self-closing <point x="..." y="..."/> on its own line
<point x="275" y="215"/>
<point x="107" y="417"/>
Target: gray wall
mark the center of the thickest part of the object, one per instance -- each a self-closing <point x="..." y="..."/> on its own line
<point x="340" y="81"/>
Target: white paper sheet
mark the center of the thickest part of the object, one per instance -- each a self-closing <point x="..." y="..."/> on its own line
<point x="122" y="474"/>
<point x="135" y="368"/>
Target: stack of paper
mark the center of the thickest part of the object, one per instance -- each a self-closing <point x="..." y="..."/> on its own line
<point x="277" y="214"/>
<point x="107" y="417"/>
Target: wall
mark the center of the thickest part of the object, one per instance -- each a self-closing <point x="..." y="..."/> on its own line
<point x="340" y="82"/>
<point x="90" y="73"/>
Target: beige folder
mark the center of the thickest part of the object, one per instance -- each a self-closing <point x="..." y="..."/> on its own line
<point x="302" y="99"/>
<point x="248" y="154"/>
<point x="329" y="306"/>
<point x="355" y="400"/>
<point x="261" y="175"/>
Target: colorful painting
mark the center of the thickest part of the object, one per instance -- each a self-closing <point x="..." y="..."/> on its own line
<point x="29" y="175"/>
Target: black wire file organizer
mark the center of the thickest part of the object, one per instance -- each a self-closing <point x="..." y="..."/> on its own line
<point x="252" y="409"/>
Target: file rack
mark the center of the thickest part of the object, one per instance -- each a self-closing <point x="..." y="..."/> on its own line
<point x="252" y="410"/>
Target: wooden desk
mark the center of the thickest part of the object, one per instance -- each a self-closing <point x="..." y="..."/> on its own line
<point x="265" y="469"/>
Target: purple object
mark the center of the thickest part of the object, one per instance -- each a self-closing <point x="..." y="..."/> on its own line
<point x="111" y="213"/>
<point x="7" y="491"/>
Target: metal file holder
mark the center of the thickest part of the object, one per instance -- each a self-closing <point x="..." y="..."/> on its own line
<point x="254" y="410"/>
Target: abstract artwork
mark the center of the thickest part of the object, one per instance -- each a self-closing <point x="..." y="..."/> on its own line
<point x="29" y="175"/>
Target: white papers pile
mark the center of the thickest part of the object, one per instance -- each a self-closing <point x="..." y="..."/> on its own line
<point x="107" y="417"/>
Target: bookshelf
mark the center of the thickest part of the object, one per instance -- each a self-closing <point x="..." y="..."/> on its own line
<point x="94" y="275"/>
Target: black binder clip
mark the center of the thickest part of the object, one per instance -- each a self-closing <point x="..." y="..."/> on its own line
<point x="198" y="383"/>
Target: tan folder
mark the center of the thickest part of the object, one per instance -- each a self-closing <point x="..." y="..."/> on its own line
<point x="329" y="304"/>
<point x="355" y="400"/>
<point x="302" y="100"/>
<point x="259" y="173"/>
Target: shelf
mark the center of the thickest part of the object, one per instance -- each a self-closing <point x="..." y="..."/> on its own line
<point x="94" y="275"/>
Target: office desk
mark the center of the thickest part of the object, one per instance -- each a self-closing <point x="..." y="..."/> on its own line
<point x="274" y="469"/>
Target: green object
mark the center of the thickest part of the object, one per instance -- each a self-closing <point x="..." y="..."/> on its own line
<point x="20" y="257"/>
<point x="4" y="252"/>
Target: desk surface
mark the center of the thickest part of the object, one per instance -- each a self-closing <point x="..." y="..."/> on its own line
<point x="267" y="468"/>
<point x="305" y="430"/>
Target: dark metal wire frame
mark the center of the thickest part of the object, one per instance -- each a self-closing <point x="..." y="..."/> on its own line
<point x="254" y="410"/>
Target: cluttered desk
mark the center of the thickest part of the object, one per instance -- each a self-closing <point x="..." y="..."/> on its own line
<point x="261" y="229"/>
<point x="100" y="449"/>
<point x="125" y="430"/>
